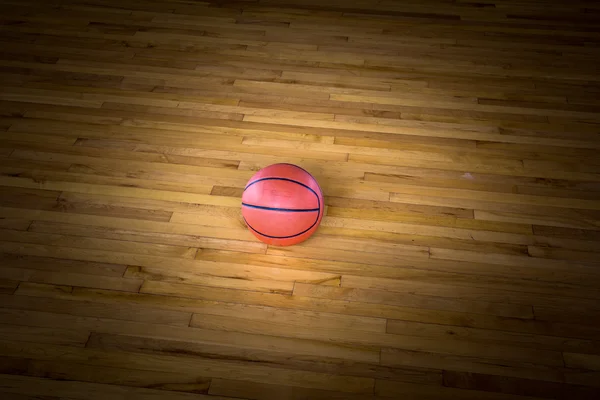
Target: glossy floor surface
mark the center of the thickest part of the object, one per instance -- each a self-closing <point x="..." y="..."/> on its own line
<point x="456" y="143"/>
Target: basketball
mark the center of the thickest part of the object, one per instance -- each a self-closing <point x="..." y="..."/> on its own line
<point x="282" y="205"/>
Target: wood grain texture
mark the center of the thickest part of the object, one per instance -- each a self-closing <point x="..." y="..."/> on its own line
<point x="456" y="143"/>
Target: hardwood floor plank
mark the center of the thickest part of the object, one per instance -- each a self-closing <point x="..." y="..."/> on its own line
<point x="14" y="223"/>
<point x="430" y="302"/>
<point x="203" y="242"/>
<point x="549" y="268"/>
<point x="160" y="335"/>
<point x="295" y="354"/>
<point x="562" y="217"/>
<point x="61" y="265"/>
<point x="395" y="357"/>
<point x="196" y="194"/>
<point x="68" y="337"/>
<point x="517" y="293"/>
<point x="128" y="167"/>
<point x="393" y="389"/>
<point x="8" y="286"/>
<point x="484" y="335"/>
<point x="93" y="281"/>
<point x="558" y="314"/>
<point x="28" y="198"/>
<point x="206" y="367"/>
<point x="129" y="224"/>
<point x="167" y="300"/>
<point x="515" y="386"/>
<point x="585" y="361"/>
<point x="409" y="342"/>
<point x="260" y="285"/>
<point x="301" y="318"/>
<point x="30" y="296"/>
<point x="16" y="396"/>
<point x="81" y="390"/>
<point x="163" y="380"/>
<point x="420" y="219"/>
<point x="563" y="254"/>
<point x="156" y="269"/>
<point x="389" y="258"/>
<point x="501" y="197"/>
<point x="100" y="244"/>
<point x="255" y="391"/>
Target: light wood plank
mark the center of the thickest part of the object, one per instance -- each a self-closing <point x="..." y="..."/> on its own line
<point x="30" y="296"/>
<point x="203" y="242"/>
<point x="92" y="243"/>
<point x="435" y="303"/>
<point x="260" y="285"/>
<point x="299" y="318"/>
<point x="198" y="270"/>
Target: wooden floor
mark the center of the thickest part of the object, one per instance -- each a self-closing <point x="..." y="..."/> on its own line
<point x="456" y="142"/>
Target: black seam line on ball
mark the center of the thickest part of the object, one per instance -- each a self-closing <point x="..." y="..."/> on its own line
<point x="282" y="179"/>
<point x="281" y="209"/>
<point x="283" y="237"/>
<point x="290" y="180"/>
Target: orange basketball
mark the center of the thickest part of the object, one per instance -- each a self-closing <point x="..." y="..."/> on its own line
<point x="282" y="204"/>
